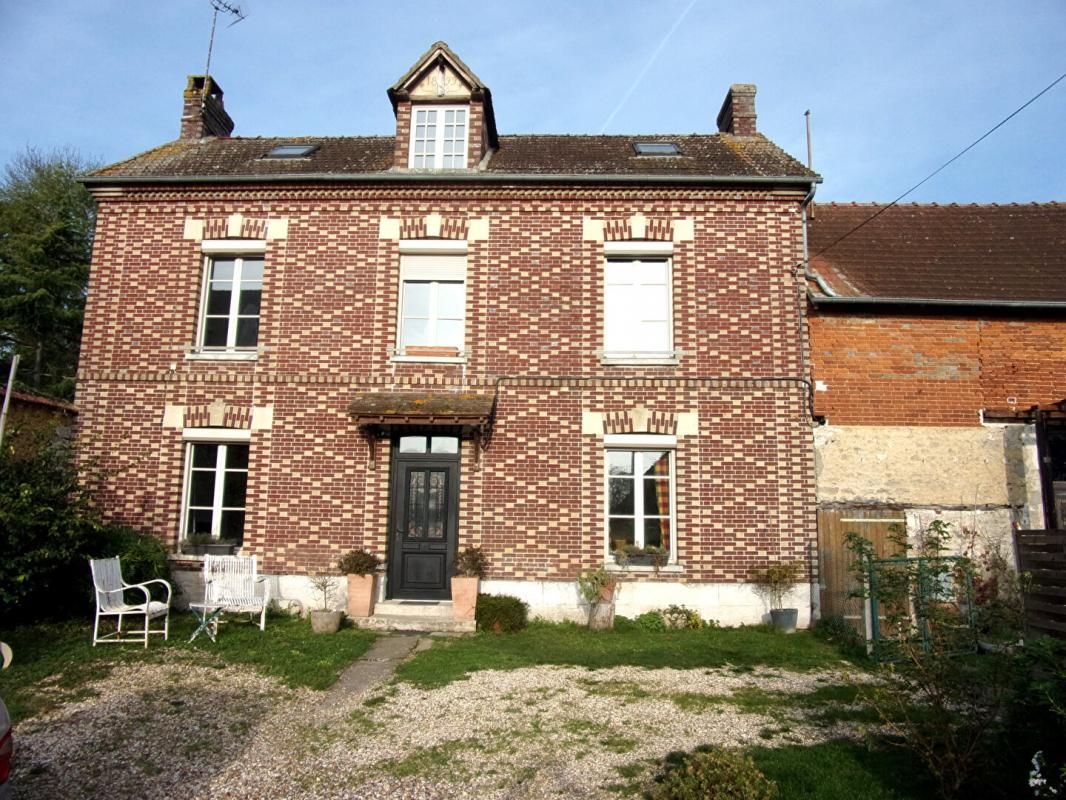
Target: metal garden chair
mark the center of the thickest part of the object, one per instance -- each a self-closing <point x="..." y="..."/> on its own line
<point x="232" y="583"/>
<point x="111" y="601"/>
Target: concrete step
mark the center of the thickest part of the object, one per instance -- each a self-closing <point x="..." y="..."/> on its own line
<point x="415" y="608"/>
<point x="413" y="622"/>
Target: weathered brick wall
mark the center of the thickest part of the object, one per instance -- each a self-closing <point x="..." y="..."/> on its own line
<point x="534" y="309"/>
<point x="890" y="368"/>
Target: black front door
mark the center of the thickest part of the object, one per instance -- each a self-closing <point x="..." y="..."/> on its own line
<point x="424" y="516"/>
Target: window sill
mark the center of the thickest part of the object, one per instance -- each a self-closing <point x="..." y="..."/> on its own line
<point x="670" y="569"/>
<point x="428" y="359"/>
<point x="222" y="355"/>
<point x="637" y="361"/>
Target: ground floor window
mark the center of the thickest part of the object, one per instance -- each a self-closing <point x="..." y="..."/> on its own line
<point x="640" y="492"/>
<point x="216" y="490"/>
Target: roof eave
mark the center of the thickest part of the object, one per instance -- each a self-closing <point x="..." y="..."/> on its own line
<point x="822" y="300"/>
<point x="92" y="181"/>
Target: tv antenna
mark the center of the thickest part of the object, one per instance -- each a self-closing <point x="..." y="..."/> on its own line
<point x="235" y="11"/>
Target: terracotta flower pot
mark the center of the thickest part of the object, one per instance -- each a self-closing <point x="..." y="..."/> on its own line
<point x="326" y="621"/>
<point x="464" y="596"/>
<point x="362" y="593"/>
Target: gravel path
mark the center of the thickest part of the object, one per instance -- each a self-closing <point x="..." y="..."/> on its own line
<point x="186" y="730"/>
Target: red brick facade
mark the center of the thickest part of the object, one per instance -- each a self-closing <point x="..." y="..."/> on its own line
<point x="534" y="499"/>
<point x="887" y="367"/>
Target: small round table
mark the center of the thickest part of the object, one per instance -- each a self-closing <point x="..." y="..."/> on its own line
<point x="207" y="615"/>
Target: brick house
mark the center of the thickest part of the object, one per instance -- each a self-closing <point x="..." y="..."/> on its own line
<point x="938" y="352"/>
<point x="546" y="346"/>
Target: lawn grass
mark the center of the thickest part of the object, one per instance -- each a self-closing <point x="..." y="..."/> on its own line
<point x="54" y="662"/>
<point x="844" y="770"/>
<point x="566" y="644"/>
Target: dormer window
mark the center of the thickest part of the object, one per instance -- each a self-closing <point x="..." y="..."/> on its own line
<point x="438" y="137"/>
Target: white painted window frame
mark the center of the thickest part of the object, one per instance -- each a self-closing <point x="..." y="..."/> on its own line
<point x="434" y="266"/>
<point x="636" y="443"/>
<point x="641" y="252"/>
<point x="438" y="140"/>
<point x="230" y="351"/>
<point x="222" y="437"/>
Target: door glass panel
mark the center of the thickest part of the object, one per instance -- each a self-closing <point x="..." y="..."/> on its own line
<point x="436" y="503"/>
<point x="444" y="444"/>
<point x="416" y="504"/>
<point x="412" y="444"/>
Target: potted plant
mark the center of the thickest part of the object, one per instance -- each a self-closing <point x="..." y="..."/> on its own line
<point x="773" y="583"/>
<point x="325" y="619"/>
<point x="201" y="544"/>
<point x="648" y="556"/>
<point x="361" y="569"/>
<point x="470" y="567"/>
<point x="597" y="588"/>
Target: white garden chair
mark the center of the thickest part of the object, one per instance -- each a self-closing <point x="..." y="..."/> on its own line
<point x="112" y="601"/>
<point x="231" y="583"/>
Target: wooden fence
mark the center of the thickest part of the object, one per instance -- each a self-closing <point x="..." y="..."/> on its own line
<point x="1042" y="554"/>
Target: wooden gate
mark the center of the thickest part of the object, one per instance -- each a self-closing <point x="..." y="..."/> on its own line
<point x="1042" y="554"/>
<point x="836" y="563"/>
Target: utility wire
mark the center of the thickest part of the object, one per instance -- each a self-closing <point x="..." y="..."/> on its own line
<point x="943" y="166"/>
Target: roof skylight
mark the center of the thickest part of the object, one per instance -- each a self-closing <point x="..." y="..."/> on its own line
<point x="291" y="151"/>
<point x="656" y="148"/>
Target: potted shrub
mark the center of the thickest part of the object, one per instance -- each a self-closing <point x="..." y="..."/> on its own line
<point x="325" y="619"/>
<point x="201" y="544"/>
<point x="597" y="588"/>
<point x="470" y="567"/>
<point x="361" y="569"/>
<point x="773" y="584"/>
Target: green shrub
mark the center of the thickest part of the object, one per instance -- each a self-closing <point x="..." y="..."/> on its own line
<point x="710" y="774"/>
<point x="47" y="532"/>
<point x="650" y="621"/>
<point x="143" y="556"/>
<point x="358" y="562"/>
<point x="682" y="617"/>
<point x="500" y="613"/>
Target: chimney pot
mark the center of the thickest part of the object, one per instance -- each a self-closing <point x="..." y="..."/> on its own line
<point x="203" y="113"/>
<point x="738" y="110"/>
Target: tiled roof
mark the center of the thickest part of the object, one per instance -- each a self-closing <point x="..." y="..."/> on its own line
<point x="942" y="252"/>
<point x="719" y="155"/>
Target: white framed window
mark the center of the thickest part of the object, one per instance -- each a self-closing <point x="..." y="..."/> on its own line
<point x="438" y="137"/>
<point x="638" y="319"/>
<point x="640" y="496"/>
<point x="432" y="305"/>
<point x="215" y="493"/>
<point x="231" y="300"/>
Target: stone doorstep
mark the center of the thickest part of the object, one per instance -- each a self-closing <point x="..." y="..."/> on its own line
<point x="414" y="622"/>
<point x="436" y="609"/>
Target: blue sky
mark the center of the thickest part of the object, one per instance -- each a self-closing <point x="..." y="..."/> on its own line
<point x="894" y="88"/>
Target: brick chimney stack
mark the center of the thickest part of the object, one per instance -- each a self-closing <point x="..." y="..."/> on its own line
<point x="738" y="110"/>
<point x="203" y="113"/>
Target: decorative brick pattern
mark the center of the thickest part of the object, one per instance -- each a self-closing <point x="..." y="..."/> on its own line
<point x="534" y="329"/>
<point x="640" y="421"/>
<point x="218" y="415"/>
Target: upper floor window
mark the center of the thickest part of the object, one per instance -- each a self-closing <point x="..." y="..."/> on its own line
<point x="438" y="137"/>
<point x="637" y="305"/>
<point x="233" y="288"/>
<point x="432" y="305"/>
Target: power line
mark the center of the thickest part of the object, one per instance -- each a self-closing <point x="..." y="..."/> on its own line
<point x="943" y="166"/>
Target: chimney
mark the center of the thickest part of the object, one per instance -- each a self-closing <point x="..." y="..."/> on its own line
<point x="203" y="113"/>
<point x="738" y="110"/>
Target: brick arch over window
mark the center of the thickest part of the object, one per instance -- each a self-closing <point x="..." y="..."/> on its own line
<point x="640" y="420"/>
<point x="217" y="415"/>
<point x="417" y="228"/>
<point x="618" y="230"/>
<point x="222" y="228"/>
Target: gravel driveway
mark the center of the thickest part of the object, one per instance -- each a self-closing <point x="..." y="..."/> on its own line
<point x="184" y="729"/>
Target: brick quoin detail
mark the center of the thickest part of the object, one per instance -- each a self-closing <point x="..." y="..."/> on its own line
<point x="933" y="369"/>
<point x="534" y="311"/>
